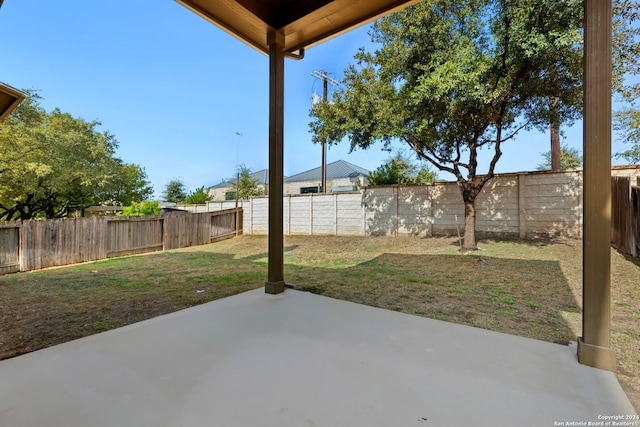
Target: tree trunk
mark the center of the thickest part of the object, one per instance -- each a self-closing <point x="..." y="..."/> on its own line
<point x="49" y="212"/>
<point x="555" y="136"/>
<point x="469" y="243"/>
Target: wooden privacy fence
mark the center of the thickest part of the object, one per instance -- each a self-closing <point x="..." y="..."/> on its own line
<point x="625" y="214"/>
<point x="32" y="245"/>
<point x="9" y="247"/>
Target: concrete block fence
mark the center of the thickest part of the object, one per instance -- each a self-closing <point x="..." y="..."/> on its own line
<point x="521" y="204"/>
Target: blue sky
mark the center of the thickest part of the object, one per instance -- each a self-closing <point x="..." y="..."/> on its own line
<point x="174" y="89"/>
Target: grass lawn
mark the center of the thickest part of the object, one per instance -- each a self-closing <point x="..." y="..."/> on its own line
<point x="521" y="287"/>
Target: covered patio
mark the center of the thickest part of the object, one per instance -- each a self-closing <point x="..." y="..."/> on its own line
<point x="284" y="28"/>
<point x="290" y="358"/>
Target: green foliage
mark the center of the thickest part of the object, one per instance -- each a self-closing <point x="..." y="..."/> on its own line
<point x="626" y="63"/>
<point x="452" y="77"/>
<point x="197" y="197"/>
<point x="129" y="184"/>
<point x="141" y="209"/>
<point x="626" y="49"/>
<point x="628" y="124"/>
<point x="570" y="158"/>
<point x="175" y="191"/>
<point x="248" y="185"/>
<point x="399" y="169"/>
<point x="52" y="162"/>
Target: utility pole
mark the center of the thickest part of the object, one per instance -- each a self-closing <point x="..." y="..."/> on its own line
<point x="238" y="182"/>
<point x="324" y="76"/>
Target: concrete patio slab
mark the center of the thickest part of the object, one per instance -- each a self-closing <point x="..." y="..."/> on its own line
<point x="297" y="359"/>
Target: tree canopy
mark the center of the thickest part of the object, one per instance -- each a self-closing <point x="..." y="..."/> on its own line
<point x="399" y="169"/>
<point x="52" y="163"/>
<point x="450" y="78"/>
<point x="174" y="191"/>
<point x="571" y="158"/>
<point x="628" y="124"/>
<point x="626" y="63"/>
<point x="197" y="197"/>
<point x="247" y="184"/>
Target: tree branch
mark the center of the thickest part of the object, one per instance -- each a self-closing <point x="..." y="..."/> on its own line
<point x="496" y="157"/>
<point x="433" y="160"/>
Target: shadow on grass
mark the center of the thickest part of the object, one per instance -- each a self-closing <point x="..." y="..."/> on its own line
<point x="529" y="298"/>
<point x="265" y="255"/>
<point x="532" y="242"/>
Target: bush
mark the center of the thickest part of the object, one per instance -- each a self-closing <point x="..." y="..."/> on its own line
<point x="198" y="197"/>
<point x="141" y="209"/>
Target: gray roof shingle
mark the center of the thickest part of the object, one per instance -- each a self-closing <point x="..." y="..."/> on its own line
<point x="262" y="176"/>
<point x="335" y="170"/>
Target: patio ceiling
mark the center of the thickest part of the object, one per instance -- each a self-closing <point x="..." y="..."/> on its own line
<point x="9" y="97"/>
<point x="303" y="23"/>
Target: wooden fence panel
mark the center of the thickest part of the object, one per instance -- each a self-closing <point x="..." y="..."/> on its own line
<point x="130" y="236"/>
<point x="622" y="230"/>
<point x="179" y="229"/>
<point x="183" y="229"/>
<point x="35" y="244"/>
<point x="635" y="216"/>
<point x="200" y="229"/>
<point x="223" y="224"/>
<point x="9" y="247"/>
<point x="175" y="226"/>
<point x="57" y="242"/>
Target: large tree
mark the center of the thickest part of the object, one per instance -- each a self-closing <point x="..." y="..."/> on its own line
<point x="626" y="68"/>
<point x="566" y="71"/>
<point x="450" y="78"/>
<point x="52" y="163"/>
<point x="563" y="72"/>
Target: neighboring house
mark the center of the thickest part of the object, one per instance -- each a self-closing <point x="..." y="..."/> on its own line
<point x="226" y="190"/>
<point x="341" y="176"/>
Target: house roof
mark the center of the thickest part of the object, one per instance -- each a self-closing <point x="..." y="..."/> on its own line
<point x="302" y="23"/>
<point x="262" y="176"/>
<point x="335" y="170"/>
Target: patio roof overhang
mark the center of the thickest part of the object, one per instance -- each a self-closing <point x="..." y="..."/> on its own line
<point x="302" y="23"/>
<point x="9" y="97"/>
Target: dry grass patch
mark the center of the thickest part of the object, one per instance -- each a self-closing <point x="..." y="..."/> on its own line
<point x="520" y="287"/>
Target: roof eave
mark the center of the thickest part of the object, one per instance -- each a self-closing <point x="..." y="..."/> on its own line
<point x="326" y="22"/>
<point x="236" y="21"/>
<point x="10" y="97"/>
